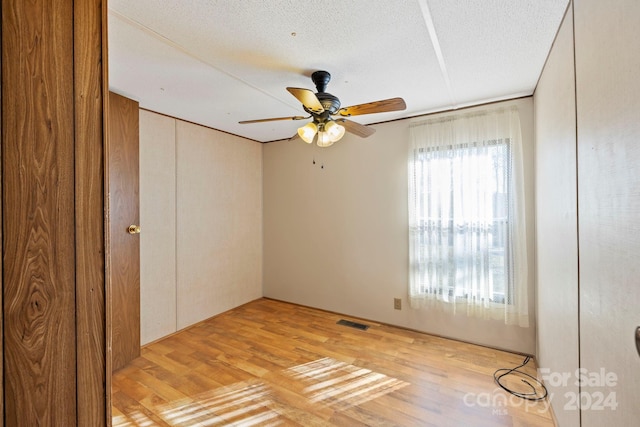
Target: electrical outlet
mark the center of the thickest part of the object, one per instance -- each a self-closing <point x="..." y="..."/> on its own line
<point x="397" y="303"/>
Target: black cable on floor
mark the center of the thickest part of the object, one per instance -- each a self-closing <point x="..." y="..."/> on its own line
<point x="534" y="394"/>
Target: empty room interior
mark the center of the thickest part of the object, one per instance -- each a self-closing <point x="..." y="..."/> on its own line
<point x="394" y="213"/>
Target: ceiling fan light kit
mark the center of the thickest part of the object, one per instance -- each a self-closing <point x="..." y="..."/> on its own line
<point x="328" y="132"/>
<point x="324" y="140"/>
<point x="334" y="130"/>
<point x="307" y="132"/>
<point x="322" y="106"/>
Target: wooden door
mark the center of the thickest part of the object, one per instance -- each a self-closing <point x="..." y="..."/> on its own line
<point x="124" y="244"/>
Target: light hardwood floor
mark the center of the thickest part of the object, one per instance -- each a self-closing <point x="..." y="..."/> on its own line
<point x="274" y="363"/>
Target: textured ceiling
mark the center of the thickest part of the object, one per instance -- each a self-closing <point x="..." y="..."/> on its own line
<point x="217" y="62"/>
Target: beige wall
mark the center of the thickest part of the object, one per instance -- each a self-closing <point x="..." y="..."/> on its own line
<point x="158" y="226"/>
<point x="201" y="216"/>
<point x="337" y="237"/>
<point x="556" y="221"/>
<point x="219" y="208"/>
<point x="607" y="45"/>
<point x="602" y="296"/>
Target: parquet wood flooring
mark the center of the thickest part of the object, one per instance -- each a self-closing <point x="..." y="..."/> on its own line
<point x="271" y="363"/>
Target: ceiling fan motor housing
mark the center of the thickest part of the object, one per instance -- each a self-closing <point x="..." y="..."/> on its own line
<point x="330" y="103"/>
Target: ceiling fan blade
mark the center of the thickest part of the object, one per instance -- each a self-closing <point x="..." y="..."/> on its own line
<point x="308" y="99"/>
<point x="386" y="105"/>
<point x="274" y="119"/>
<point x="356" y="128"/>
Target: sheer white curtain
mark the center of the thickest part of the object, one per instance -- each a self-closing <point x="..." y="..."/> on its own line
<point x="467" y="237"/>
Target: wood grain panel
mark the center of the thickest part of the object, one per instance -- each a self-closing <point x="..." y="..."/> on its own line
<point x="124" y="249"/>
<point x="89" y="169"/>
<point x="107" y="242"/>
<point x="38" y="230"/>
<point x="1" y="257"/>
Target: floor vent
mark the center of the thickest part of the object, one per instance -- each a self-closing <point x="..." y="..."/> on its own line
<point x="353" y="324"/>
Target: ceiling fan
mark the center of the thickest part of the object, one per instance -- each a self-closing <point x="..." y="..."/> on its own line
<point x="323" y="106"/>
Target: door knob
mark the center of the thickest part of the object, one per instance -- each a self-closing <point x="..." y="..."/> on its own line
<point x="134" y="229"/>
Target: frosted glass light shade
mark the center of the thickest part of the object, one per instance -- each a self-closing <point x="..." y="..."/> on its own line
<point x="324" y="139"/>
<point x="307" y="132"/>
<point x="335" y="131"/>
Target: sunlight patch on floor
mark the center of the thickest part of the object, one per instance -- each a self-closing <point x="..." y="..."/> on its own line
<point x="240" y="404"/>
<point x="336" y="383"/>
<point x="326" y="382"/>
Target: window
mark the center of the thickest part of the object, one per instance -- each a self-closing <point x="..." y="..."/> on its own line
<point x="466" y="231"/>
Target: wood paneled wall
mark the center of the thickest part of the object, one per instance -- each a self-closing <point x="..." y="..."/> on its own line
<point x="1" y="240"/>
<point x="38" y="226"/>
<point x="90" y="83"/>
<point x="52" y="212"/>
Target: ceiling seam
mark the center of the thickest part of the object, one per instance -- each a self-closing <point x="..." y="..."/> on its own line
<point x="184" y="50"/>
<point x="428" y="19"/>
